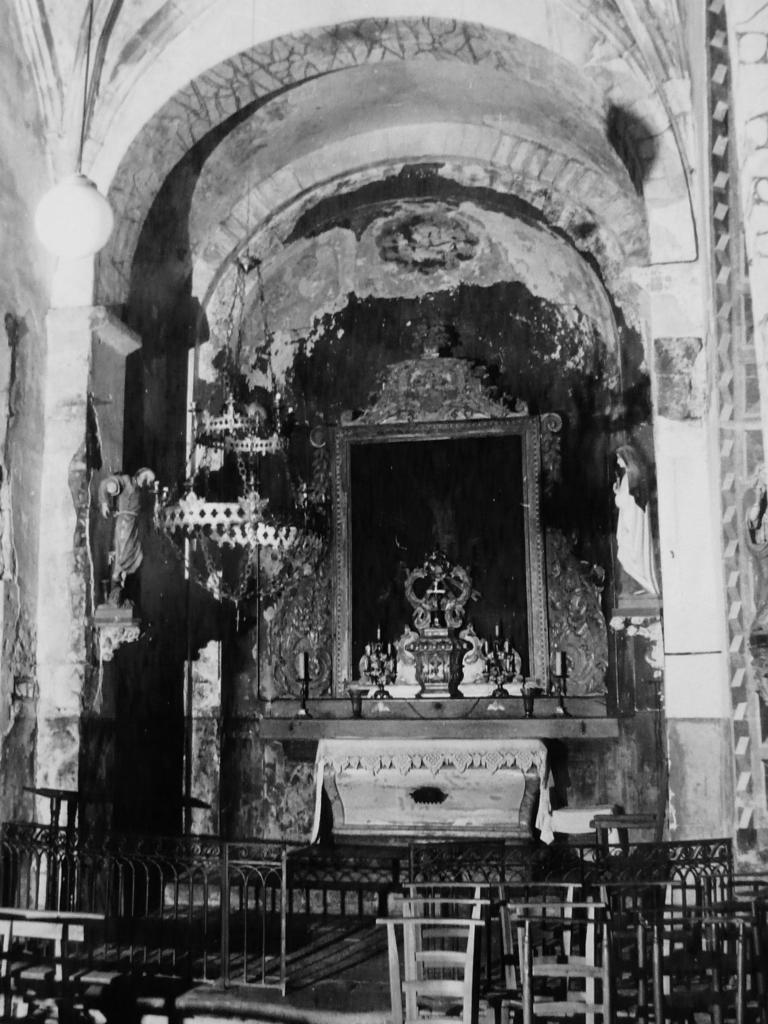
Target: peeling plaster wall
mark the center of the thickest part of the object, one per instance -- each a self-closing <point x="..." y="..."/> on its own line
<point x="23" y="303"/>
<point x="412" y="250"/>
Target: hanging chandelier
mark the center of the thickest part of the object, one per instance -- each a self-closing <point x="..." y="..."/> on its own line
<point x="219" y="507"/>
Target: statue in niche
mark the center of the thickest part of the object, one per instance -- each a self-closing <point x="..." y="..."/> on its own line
<point x="634" y="544"/>
<point x="757" y="521"/>
<point x="120" y="500"/>
<point x="757" y="544"/>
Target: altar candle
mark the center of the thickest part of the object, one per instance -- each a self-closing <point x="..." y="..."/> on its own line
<point x="498" y="629"/>
<point x="560" y="663"/>
<point x="378" y="632"/>
<point x="301" y="666"/>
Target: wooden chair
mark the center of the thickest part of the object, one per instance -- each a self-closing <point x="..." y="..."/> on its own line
<point x="53" y="930"/>
<point x="700" y="965"/>
<point x="482" y="893"/>
<point x="616" y="828"/>
<point x="560" y="894"/>
<point x="554" y="983"/>
<point x="438" y="976"/>
<point x="630" y="905"/>
<point x="750" y="896"/>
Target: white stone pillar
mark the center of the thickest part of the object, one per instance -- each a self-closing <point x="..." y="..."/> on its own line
<point x="79" y="340"/>
<point x="696" y="695"/>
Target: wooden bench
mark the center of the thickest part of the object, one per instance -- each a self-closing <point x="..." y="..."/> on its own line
<point x="57" y="928"/>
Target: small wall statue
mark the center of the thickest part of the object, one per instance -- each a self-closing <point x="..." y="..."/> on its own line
<point x="757" y="545"/>
<point x="120" y="500"/>
<point x="634" y="543"/>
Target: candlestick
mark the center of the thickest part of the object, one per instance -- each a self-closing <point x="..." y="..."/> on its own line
<point x="529" y="697"/>
<point x="301" y="666"/>
<point x="561" y="669"/>
<point x="303" y="674"/>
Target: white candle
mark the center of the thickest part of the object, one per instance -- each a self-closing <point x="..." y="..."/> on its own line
<point x="301" y="666"/>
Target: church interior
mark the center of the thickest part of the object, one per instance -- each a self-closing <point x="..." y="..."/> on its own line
<point x="383" y="444"/>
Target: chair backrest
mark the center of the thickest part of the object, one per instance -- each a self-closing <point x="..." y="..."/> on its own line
<point x="55" y="929"/>
<point x="616" y="829"/>
<point x="700" y="962"/>
<point x="438" y="976"/>
<point x="560" y="894"/>
<point x="561" y="940"/>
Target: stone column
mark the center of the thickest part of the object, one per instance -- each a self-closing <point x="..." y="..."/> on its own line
<point x="695" y="637"/>
<point x="86" y="347"/>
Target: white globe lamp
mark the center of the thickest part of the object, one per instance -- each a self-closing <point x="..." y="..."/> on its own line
<point x="74" y="220"/>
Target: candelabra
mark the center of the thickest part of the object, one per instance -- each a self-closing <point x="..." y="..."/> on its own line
<point x="378" y="666"/>
<point x="502" y="664"/>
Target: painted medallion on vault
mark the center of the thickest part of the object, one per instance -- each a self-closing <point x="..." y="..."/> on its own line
<point x="427" y="240"/>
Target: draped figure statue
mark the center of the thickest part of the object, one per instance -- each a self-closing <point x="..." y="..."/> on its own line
<point x="120" y="499"/>
<point x="634" y="543"/>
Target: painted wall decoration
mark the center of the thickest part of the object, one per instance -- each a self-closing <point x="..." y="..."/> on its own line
<point x="410" y="250"/>
<point x="427" y="240"/>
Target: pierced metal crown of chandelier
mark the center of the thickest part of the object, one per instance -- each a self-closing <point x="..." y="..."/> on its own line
<point x="219" y="505"/>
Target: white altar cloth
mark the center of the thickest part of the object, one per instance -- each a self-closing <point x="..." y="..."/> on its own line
<point x="469" y="785"/>
<point x="576" y="820"/>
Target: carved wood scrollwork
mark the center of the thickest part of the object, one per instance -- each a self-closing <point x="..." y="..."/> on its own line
<point x="551" y="455"/>
<point x="302" y="624"/>
<point x="576" y="622"/>
<point x="423" y="390"/>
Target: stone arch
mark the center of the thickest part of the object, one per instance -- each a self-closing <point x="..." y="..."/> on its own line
<point x="561" y="188"/>
<point x="260" y="72"/>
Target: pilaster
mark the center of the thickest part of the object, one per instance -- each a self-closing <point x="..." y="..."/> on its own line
<point x="82" y="342"/>
<point x="696" y="699"/>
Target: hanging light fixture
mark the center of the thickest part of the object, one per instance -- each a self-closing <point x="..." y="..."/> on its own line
<point x="74" y="220"/>
<point x="240" y="434"/>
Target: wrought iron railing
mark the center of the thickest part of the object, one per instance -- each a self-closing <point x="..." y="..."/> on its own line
<point x="233" y="912"/>
<point x="705" y="865"/>
<point x="195" y="906"/>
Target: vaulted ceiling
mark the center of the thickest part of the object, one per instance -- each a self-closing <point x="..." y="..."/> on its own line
<point x="569" y="116"/>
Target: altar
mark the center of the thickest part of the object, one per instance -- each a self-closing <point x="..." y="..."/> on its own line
<point x="429" y="789"/>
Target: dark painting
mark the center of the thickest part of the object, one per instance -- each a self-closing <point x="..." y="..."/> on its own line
<point x="463" y="496"/>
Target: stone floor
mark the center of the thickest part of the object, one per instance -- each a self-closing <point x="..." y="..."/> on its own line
<point x="340" y="975"/>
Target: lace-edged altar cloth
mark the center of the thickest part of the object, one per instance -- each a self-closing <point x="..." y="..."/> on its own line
<point x="434" y="788"/>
